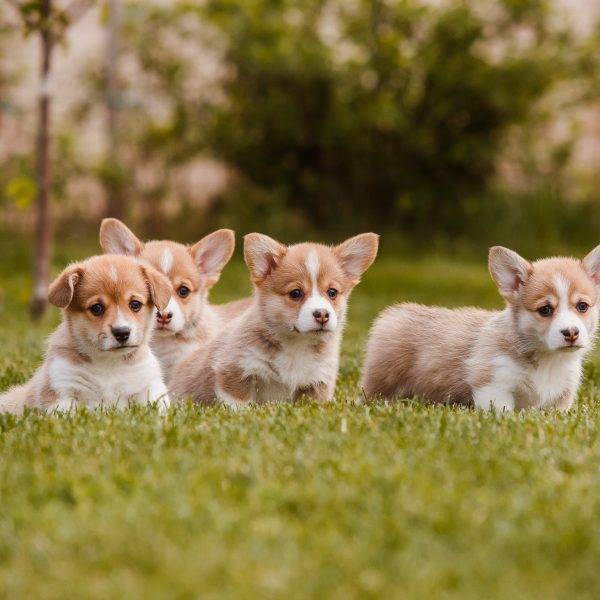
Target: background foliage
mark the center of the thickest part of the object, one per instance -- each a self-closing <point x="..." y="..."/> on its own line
<point x="402" y="115"/>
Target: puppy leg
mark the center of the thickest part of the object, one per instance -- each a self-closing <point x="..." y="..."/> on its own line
<point x="565" y="401"/>
<point x="488" y="397"/>
<point x="157" y="392"/>
<point x="318" y="392"/>
<point x="233" y="388"/>
<point x="14" y="400"/>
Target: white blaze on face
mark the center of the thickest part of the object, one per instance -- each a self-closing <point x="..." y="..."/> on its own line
<point x="566" y="317"/>
<point x="166" y="261"/>
<point x="306" y="320"/>
<point x="112" y="272"/>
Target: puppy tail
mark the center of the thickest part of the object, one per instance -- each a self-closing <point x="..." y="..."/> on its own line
<point x="14" y="399"/>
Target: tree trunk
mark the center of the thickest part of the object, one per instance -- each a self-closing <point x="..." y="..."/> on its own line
<point x="42" y="239"/>
<point x="114" y="183"/>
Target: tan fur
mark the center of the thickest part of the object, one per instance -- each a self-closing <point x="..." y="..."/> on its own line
<point x="197" y="267"/>
<point x="112" y="280"/>
<point x="443" y="355"/>
<point x="260" y="356"/>
<point x="416" y="350"/>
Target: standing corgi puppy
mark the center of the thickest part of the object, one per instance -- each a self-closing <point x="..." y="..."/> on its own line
<point x="287" y="343"/>
<point x="189" y="321"/>
<point x="528" y="355"/>
<point x="100" y="354"/>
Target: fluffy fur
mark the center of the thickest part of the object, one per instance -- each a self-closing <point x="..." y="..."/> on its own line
<point x="286" y="344"/>
<point x="189" y="321"/>
<point x="100" y="354"/>
<point x="528" y="355"/>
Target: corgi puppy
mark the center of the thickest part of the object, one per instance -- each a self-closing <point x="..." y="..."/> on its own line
<point x="286" y="344"/>
<point x="100" y="354"/>
<point x="188" y="321"/>
<point x="528" y="355"/>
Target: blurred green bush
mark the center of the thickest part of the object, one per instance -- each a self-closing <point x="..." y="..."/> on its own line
<point x="338" y="115"/>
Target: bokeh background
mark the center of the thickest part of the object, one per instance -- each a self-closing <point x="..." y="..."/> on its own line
<point x="446" y="126"/>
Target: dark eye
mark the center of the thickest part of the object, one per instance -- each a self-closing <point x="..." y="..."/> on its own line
<point x="183" y="292"/>
<point x="582" y="306"/>
<point x="135" y="306"/>
<point x="545" y="311"/>
<point x="97" y="309"/>
<point x="296" y="294"/>
<point x="332" y="293"/>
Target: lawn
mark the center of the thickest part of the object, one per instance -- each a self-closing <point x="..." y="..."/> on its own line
<point x="340" y="501"/>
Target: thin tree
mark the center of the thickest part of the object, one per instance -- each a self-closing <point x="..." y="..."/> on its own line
<point x="49" y="22"/>
<point x="37" y="305"/>
<point x="114" y="187"/>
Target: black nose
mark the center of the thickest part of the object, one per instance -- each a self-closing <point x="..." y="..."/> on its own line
<point x="321" y="316"/>
<point x="121" y="334"/>
<point x="570" y="334"/>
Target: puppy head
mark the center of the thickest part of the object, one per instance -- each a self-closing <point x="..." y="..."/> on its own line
<point x="109" y="302"/>
<point x="555" y="300"/>
<point x="192" y="270"/>
<point x="305" y="288"/>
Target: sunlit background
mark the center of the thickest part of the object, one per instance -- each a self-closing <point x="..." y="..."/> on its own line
<point x="445" y="126"/>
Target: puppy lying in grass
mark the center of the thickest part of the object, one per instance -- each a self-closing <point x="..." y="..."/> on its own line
<point x="528" y="355"/>
<point x="287" y="342"/>
<point x="188" y="322"/>
<point x="100" y="354"/>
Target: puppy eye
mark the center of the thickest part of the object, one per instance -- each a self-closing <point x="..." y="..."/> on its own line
<point x="545" y="311"/>
<point x="582" y="306"/>
<point x="296" y="294"/>
<point x="97" y="309"/>
<point x="183" y="292"/>
<point x="135" y="306"/>
<point x="332" y="293"/>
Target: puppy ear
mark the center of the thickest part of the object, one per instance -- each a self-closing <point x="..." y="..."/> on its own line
<point x="591" y="265"/>
<point x="61" y="290"/>
<point x="508" y="270"/>
<point x="117" y="238"/>
<point x="357" y="254"/>
<point x="262" y="254"/>
<point x="158" y="285"/>
<point x="212" y="253"/>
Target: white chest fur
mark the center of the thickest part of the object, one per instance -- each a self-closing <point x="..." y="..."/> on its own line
<point x="109" y="383"/>
<point x="555" y="375"/>
<point x="297" y="365"/>
<point x="517" y="385"/>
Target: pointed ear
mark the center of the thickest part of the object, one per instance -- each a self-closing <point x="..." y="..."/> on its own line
<point x="61" y="290"/>
<point x="357" y="254"/>
<point x="591" y="264"/>
<point x="508" y="270"/>
<point x="262" y="254"/>
<point x="117" y="238"/>
<point x="159" y="286"/>
<point x="212" y="253"/>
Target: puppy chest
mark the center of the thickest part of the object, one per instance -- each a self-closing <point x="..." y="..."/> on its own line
<point x="551" y="380"/>
<point x="91" y="384"/>
<point x="303" y="368"/>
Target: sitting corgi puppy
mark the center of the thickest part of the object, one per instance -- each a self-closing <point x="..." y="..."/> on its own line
<point x="287" y="342"/>
<point x="100" y="354"/>
<point x="189" y="321"/>
<point x="528" y="355"/>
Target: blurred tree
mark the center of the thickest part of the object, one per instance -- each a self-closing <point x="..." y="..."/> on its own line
<point x="390" y="110"/>
<point x="49" y="21"/>
<point x="331" y="113"/>
<point x="112" y="173"/>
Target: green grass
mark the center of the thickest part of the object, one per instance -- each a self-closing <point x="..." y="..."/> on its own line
<point x="386" y="501"/>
